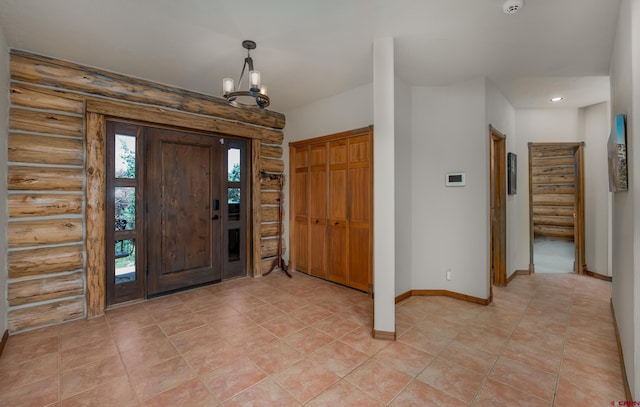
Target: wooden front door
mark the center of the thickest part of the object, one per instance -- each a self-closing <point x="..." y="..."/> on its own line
<point x="184" y="210"/>
<point x="176" y="210"/>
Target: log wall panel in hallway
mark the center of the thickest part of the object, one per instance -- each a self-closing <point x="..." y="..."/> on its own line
<point x="553" y="191"/>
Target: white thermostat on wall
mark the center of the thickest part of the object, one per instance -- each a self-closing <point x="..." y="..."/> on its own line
<point x="455" y="179"/>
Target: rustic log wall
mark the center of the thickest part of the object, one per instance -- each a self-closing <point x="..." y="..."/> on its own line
<point x="55" y="230"/>
<point x="553" y="190"/>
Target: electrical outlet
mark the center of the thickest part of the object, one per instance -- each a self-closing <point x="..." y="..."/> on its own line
<point x="448" y="274"/>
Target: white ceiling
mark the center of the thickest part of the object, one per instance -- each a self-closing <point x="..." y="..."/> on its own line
<point x="312" y="49"/>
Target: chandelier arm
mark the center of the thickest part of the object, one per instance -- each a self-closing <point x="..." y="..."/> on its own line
<point x="241" y="76"/>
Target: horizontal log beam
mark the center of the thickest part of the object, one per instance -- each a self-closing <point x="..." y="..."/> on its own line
<point x="270" y="151"/>
<point x="557" y="170"/>
<point x="45" y="314"/>
<point x="269" y="184"/>
<point x="44" y="289"/>
<point x="50" y="260"/>
<point x="269" y="247"/>
<point x="177" y="118"/>
<point x="552" y="161"/>
<point x="553" y="220"/>
<point x="551" y="151"/>
<point x="553" y="231"/>
<point x="552" y="211"/>
<point x="37" y="69"/>
<point x="553" y="189"/>
<point x="269" y="214"/>
<point x="30" y="205"/>
<point x="44" y="232"/>
<point x="269" y="165"/>
<point x="553" y="200"/>
<point x="38" y="97"/>
<point x="553" y="179"/>
<point x="45" y="179"/>
<point x="269" y="230"/>
<point x="31" y="148"/>
<point x="270" y="198"/>
<point x="45" y="122"/>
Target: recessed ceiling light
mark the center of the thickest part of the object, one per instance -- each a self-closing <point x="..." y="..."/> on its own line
<point x="557" y="99"/>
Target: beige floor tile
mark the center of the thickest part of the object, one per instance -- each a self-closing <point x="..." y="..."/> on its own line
<point x="419" y="394"/>
<point x="17" y="375"/>
<point x="232" y="379"/>
<point x="524" y="378"/>
<point x="346" y="395"/>
<point x="289" y="341"/>
<point x="161" y="377"/>
<point x="404" y="358"/>
<point x="379" y="381"/>
<point x="189" y="394"/>
<point x="495" y="394"/>
<point x="40" y="393"/>
<point x="306" y="379"/>
<point x="308" y="340"/>
<point x="452" y="379"/>
<point x="275" y="357"/>
<point x="339" y="357"/>
<point x="266" y="393"/>
<point x="91" y="375"/>
<point x="468" y="357"/>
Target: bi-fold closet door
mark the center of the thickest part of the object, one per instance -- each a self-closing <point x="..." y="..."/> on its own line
<point x="332" y="208"/>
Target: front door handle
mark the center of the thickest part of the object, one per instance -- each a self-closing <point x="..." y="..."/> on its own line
<point x="215" y="217"/>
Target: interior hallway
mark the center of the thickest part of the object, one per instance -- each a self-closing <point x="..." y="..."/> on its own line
<point x="547" y="340"/>
<point x="553" y="255"/>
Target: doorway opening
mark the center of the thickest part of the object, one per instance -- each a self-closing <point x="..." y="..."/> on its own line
<point x="176" y="209"/>
<point x="556" y="202"/>
<point x="498" y="208"/>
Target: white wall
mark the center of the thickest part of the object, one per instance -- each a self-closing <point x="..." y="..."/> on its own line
<point x="450" y="224"/>
<point x="350" y="110"/>
<point x="404" y="187"/>
<point x="539" y="126"/>
<point x="597" y="195"/>
<point x="591" y="125"/>
<point x="384" y="258"/>
<point x="625" y="98"/>
<point x="502" y="116"/>
<point x="4" y="126"/>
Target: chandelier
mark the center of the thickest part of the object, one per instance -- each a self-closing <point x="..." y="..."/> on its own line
<point x="256" y="92"/>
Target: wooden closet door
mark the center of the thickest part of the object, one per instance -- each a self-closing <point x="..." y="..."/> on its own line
<point x="359" y="228"/>
<point x="300" y="209"/>
<point x="318" y="210"/>
<point x="337" y="248"/>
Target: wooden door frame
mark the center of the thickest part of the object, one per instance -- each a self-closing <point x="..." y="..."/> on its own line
<point x="580" y="266"/>
<point x="497" y="192"/>
<point x="97" y="112"/>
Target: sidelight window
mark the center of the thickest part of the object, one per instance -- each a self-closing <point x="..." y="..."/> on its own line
<point x="123" y="226"/>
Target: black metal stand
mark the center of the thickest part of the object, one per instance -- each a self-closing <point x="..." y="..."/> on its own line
<point x="279" y="261"/>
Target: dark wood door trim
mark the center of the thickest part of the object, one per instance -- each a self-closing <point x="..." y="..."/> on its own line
<point x="497" y="209"/>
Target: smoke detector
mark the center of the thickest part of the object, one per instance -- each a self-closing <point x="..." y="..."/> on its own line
<point x="512" y="6"/>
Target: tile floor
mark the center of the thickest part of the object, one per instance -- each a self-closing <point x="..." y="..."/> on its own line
<point x="553" y="255"/>
<point x="547" y="340"/>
